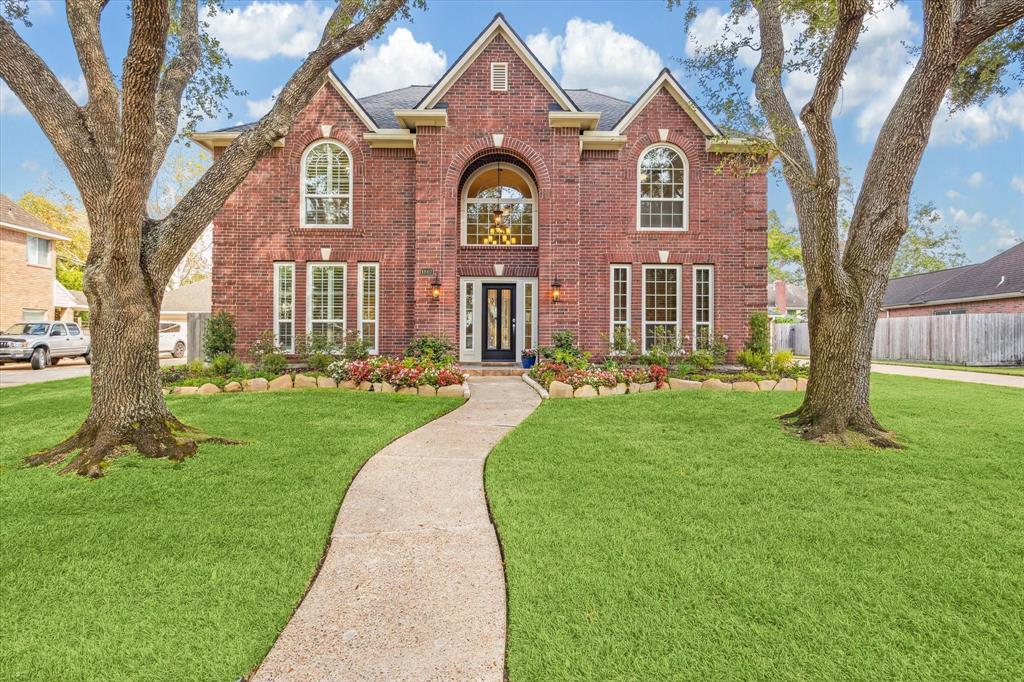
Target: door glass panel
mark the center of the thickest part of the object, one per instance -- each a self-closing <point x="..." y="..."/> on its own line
<point x="492" y="319"/>
<point x="506" y="318"/>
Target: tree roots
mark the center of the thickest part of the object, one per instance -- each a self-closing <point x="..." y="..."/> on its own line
<point x="94" y="447"/>
<point x="847" y="430"/>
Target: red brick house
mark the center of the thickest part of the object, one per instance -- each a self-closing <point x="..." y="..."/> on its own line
<point x="494" y="207"/>
<point x="993" y="286"/>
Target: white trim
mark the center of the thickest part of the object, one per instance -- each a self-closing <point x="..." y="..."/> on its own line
<point x="945" y="301"/>
<point x="344" y="294"/>
<point x="611" y="300"/>
<point x="351" y="101"/>
<point x="497" y="27"/>
<point x="376" y="302"/>
<point x="351" y="186"/>
<point x="711" y="300"/>
<point x="686" y="189"/>
<point x="665" y="80"/>
<point x="464" y="200"/>
<point x="473" y="355"/>
<point x="278" y="265"/>
<point x="679" y="301"/>
<point x="35" y="233"/>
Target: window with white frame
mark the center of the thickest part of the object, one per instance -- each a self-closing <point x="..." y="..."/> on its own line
<point x="619" y="335"/>
<point x="369" y="304"/>
<point x="703" y="305"/>
<point x="325" y="301"/>
<point x="528" y="315"/>
<point x="499" y="207"/>
<point x="661" y="305"/>
<point x="284" y="306"/>
<point x="662" y="188"/>
<point x="38" y="251"/>
<point x="469" y="291"/>
<point x="327" y="185"/>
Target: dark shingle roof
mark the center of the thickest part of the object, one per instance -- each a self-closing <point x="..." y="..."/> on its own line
<point x="381" y="106"/>
<point x="13" y="214"/>
<point x="1002" y="274"/>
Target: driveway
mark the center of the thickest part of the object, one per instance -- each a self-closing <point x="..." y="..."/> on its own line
<point x="952" y="374"/>
<point x="18" y="373"/>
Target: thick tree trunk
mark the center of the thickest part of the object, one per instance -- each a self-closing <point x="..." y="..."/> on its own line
<point x="842" y="333"/>
<point x="128" y="409"/>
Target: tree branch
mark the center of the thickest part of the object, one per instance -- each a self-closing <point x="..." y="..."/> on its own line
<point x="177" y="76"/>
<point x="983" y="20"/>
<point x="170" y="239"/>
<point x="57" y="114"/>
<point x="101" y="111"/>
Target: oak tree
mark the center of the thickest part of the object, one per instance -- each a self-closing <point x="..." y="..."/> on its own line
<point x="113" y="147"/>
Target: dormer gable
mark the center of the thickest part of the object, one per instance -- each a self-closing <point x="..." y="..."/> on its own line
<point x="666" y="81"/>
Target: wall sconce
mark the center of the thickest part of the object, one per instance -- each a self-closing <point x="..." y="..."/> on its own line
<point x="556" y="290"/>
<point x="435" y="288"/>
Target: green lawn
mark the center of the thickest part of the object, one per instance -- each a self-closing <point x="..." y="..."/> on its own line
<point x="175" y="572"/>
<point x="1007" y="370"/>
<point x="684" y="535"/>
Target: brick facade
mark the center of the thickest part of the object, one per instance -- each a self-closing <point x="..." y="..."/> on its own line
<point x="22" y="286"/>
<point x="992" y="305"/>
<point x="407" y="216"/>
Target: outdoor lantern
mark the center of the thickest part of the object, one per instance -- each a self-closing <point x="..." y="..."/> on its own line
<point x="556" y="290"/>
<point x="435" y="288"/>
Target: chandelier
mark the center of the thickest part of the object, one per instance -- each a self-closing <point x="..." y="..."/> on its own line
<point x="500" y="232"/>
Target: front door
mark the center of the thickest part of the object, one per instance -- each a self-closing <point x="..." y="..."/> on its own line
<point x="499" y="323"/>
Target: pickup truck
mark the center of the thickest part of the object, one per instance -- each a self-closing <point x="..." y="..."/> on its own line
<point x="44" y="343"/>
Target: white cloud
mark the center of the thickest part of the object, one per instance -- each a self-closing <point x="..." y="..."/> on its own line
<point x="965" y="219"/>
<point x="10" y="105"/>
<point x="976" y="179"/>
<point x="1004" y="236"/>
<point x="269" y="29"/>
<point x="399" y="62"/>
<point x="76" y="87"/>
<point x="596" y="56"/>
<point x="1017" y="183"/>
<point x="952" y="194"/>
<point x="257" y="107"/>
<point x="30" y="165"/>
<point x="980" y="124"/>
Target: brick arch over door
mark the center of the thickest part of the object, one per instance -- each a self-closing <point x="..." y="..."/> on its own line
<point x="517" y="149"/>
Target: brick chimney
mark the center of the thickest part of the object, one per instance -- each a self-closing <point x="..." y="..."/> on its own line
<point x="780" y="296"/>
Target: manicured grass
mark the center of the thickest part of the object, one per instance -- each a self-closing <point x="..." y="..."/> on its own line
<point x="175" y="572"/>
<point x="1007" y="370"/>
<point x="684" y="535"/>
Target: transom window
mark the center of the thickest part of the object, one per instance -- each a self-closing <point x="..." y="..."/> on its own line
<point x="327" y="186"/>
<point x="499" y="207"/>
<point x="661" y="306"/>
<point x="662" y="181"/>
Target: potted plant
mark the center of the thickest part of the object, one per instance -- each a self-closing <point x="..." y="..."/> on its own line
<point x="529" y="356"/>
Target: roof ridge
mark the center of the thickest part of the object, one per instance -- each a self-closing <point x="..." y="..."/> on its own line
<point x="595" y="92"/>
<point x="933" y="272"/>
<point x="387" y="92"/>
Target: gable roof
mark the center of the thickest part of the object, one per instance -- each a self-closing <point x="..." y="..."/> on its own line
<point x="667" y="81"/>
<point x="498" y="26"/>
<point x="999" y="277"/>
<point x="191" y="298"/>
<point x="14" y="217"/>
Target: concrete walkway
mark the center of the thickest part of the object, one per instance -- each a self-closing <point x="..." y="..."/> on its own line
<point x="952" y="374"/>
<point x="412" y="587"/>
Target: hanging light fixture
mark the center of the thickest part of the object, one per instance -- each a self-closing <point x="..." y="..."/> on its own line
<point x="500" y="232"/>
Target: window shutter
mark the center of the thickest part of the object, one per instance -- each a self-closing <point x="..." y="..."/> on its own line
<point x="499" y="76"/>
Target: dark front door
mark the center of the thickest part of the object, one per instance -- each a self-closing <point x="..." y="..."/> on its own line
<point x="499" y="324"/>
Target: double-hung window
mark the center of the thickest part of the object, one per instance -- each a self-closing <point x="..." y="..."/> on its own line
<point x="662" y="302"/>
<point x="369" y="303"/>
<point x="325" y="301"/>
<point x="662" y="189"/>
<point x="703" y="305"/>
<point x="284" y="306"/>
<point x="38" y="251"/>
<point x="619" y="337"/>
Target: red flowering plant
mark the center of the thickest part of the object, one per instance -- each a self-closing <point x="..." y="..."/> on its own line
<point x="657" y="374"/>
<point x="449" y="376"/>
<point x="406" y="377"/>
<point x="350" y="370"/>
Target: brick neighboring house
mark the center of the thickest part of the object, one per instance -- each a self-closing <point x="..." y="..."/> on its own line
<point x="493" y="207"/>
<point x="28" y="265"/>
<point x="994" y="286"/>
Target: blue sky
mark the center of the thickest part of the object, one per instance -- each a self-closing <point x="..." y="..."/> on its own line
<point x="973" y="170"/>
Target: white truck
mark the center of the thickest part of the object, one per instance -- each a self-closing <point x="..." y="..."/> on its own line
<point x="44" y="343"/>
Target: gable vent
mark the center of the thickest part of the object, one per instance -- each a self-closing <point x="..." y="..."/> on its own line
<point x="499" y="76"/>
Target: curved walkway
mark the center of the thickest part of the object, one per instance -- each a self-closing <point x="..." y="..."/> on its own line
<point x="412" y="587"/>
<point x="951" y="374"/>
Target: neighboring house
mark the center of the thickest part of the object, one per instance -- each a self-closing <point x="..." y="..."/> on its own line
<point x="994" y="286"/>
<point x="66" y="302"/>
<point x="493" y="207"/>
<point x="28" y="265"/>
<point x="191" y="298"/>
<point x="785" y="298"/>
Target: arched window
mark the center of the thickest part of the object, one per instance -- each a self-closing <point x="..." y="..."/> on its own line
<point x="662" y="187"/>
<point x="499" y="207"/>
<point x="326" y="185"/>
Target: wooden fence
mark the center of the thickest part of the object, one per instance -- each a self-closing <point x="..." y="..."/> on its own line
<point x="974" y="339"/>
<point x="194" y="329"/>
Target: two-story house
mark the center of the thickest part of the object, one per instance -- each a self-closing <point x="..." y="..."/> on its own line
<point x="28" y="265"/>
<point x="494" y="207"/>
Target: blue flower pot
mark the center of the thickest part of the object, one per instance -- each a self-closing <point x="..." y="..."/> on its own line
<point x="528" y="362"/>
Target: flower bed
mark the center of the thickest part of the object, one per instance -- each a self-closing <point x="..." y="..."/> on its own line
<point x="399" y="373"/>
<point x="591" y="375"/>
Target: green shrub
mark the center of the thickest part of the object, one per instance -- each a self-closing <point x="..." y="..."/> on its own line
<point x="565" y="351"/>
<point x="781" y="361"/>
<point x="434" y="347"/>
<point x="226" y="364"/>
<point x="719" y="348"/>
<point x="355" y="347"/>
<point x="753" y="360"/>
<point x="219" y="335"/>
<point x="622" y="342"/>
<point x="315" y="350"/>
<point x="760" y="334"/>
<point x="267" y="355"/>
<point x="702" y="359"/>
